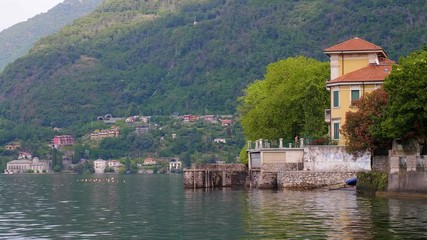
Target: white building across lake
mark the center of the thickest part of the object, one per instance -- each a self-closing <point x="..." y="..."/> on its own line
<point x="27" y="166"/>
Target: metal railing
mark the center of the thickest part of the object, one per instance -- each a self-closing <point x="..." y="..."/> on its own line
<point x="287" y="143"/>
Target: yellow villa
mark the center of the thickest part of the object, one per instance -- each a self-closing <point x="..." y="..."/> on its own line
<point x="357" y="67"/>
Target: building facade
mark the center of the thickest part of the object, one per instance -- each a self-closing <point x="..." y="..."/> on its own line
<point x="113" y="132"/>
<point x="357" y="67"/>
<point x="26" y="166"/>
<point x="100" y="165"/>
<point x="62" y="140"/>
<point x="175" y="166"/>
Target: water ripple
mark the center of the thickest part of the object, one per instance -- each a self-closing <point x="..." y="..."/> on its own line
<point x="157" y="207"/>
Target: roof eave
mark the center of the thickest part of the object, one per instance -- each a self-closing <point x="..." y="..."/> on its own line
<point x="327" y="52"/>
<point x="355" y="82"/>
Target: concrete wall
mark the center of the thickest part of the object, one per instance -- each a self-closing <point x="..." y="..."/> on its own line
<point x="323" y="158"/>
<point x="408" y="174"/>
<point x="282" y="155"/>
<point x="276" y="159"/>
<point x="380" y="163"/>
<point x="309" y="180"/>
<point x="412" y="181"/>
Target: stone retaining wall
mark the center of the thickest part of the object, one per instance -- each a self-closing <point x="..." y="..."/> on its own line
<point x="309" y="180"/>
<point x="263" y="180"/>
<point x="281" y="167"/>
<point x="236" y="167"/>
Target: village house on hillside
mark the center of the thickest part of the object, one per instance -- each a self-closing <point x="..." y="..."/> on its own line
<point x="357" y="67"/>
<point x="190" y="118"/>
<point x="62" y="140"/>
<point x="226" y="122"/>
<point x="12" y="146"/>
<point x="114" y="131"/>
<point x="24" y="155"/>
<point x="220" y="140"/>
<point x="150" y="161"/>
<point x="100" y="165"/>
<point x="175" y="166"/>
<point x="141" y="119"/>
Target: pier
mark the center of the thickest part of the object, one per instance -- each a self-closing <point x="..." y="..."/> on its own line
<point x="215" y="175"/>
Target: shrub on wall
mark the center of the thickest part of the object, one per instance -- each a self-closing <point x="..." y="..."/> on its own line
<point x="371" y="182"/>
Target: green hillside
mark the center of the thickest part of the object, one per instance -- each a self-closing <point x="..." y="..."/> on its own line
<point x="156" y="57"/>
<point x="17" y="40"/>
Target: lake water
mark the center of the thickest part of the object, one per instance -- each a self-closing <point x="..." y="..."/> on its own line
<point x="157" y="207"/>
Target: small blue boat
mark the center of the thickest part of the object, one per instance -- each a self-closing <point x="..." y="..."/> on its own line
<point x="351" y="181"/>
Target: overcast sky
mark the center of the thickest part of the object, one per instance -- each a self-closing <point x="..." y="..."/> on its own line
<point x="15" y="11"/>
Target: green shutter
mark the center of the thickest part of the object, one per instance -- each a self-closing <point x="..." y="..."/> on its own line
<point x="336" y="99"/>
<point x="355" y="95"/>
<point x="336" y="131"/>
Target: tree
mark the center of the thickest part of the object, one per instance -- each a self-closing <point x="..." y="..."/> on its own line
<point x="56" y="168"/>
<point x="290" y="100"/>
<point x="406" y="114"/>
<point x="361" y="126"/>
<point x="56" y="160"/>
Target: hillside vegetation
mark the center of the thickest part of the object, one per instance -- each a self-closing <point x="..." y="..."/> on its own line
<point x="156" y="57"/>
<point x="17" y="40"/>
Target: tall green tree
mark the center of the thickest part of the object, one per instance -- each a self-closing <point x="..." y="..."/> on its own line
<point x="289" y="100"/>
<point x="56" y="160"/>
<point x="407" y="89"/>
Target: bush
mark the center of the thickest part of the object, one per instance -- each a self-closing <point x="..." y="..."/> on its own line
<point x="371" y="182"/>
<point x="56" y="168"/>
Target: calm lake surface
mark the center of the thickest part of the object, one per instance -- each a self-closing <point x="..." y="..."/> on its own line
<point x="157" y="207"/>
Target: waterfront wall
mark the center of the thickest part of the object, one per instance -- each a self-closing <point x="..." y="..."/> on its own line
<point x="380" y="163"/>
<point x="310" y="180"/>
<point x="262" y="179"/>
<point x="408" y="173"/>
<point x="215" y="175"/>
<point x="324" y="158"/>
<point x="306" y="167"/>
<point x="412" y="181"/>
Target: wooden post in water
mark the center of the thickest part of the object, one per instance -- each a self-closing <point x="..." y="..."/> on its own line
<point x="223" y="178"/>
<point x="212" y="184"/>
<point x="194" y="179"/>
<point x="210" y="180"/>
<point x="206" y="178"/>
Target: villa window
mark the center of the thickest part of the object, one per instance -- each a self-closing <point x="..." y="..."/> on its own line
<point x="336" y="130"/>
<point x="355" y="95"/>
<point x="336" y="98"/>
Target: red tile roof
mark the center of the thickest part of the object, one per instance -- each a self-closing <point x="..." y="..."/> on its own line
<point x="354" y="44"/>
<point x="371" y="73"/>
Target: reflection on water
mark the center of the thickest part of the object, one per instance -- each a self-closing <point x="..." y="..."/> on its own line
<point x="157" y="206"/>
<point x="334" y="215"/>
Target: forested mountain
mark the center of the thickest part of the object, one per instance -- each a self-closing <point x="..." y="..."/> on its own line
<point x="157" y="57"/>
<point x="17" y="40"/>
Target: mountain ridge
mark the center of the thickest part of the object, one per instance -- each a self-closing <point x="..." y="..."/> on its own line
<point x="18" y="39"/>
<point x="186" y="56"/>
